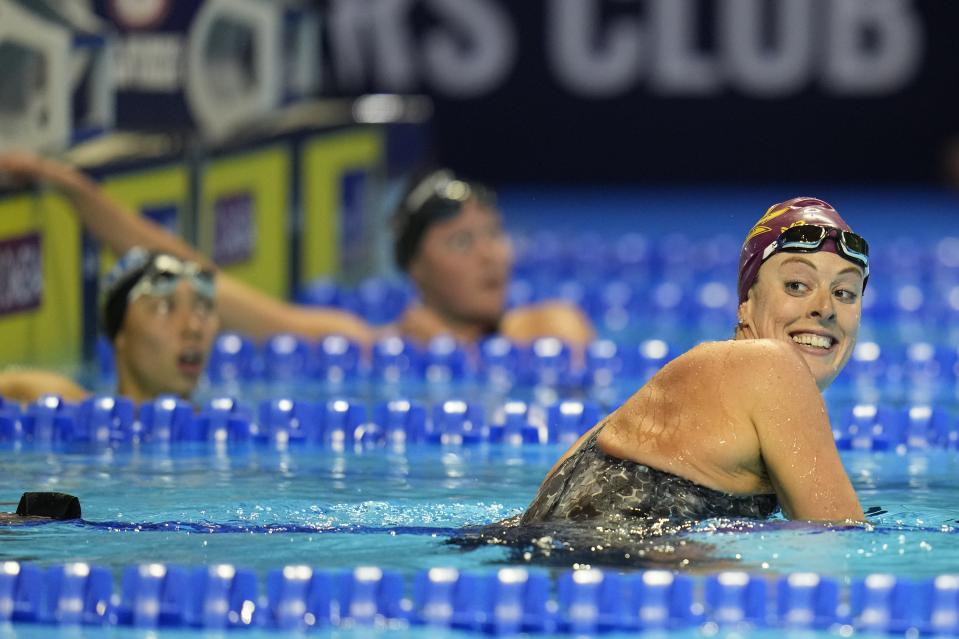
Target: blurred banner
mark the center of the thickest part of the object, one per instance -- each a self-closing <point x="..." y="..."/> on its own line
<point x="34" y="90"/>
<point x="338" y="194"/>
<point x="40" y="282"/>
<point x="243" y="222"/>
<point x="577" y="90"/>
<point x="56" y="86"/>
<point x="158" y="190"/>
<point x="212" y="64"/>
<point x="674" y="90"/>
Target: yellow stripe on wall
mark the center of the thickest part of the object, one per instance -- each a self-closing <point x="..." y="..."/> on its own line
<point x="264" y="176"/>
<point x="167" y="185"/>
<point x="325" y="160"/>
<point x="48" y="335"/>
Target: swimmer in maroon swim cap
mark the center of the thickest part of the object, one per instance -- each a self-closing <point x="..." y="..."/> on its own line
<point x="797" y="236"/>
<point x="734" y="428"/>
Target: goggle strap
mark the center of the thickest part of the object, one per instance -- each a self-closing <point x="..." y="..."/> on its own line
<point x="769" y="250"/>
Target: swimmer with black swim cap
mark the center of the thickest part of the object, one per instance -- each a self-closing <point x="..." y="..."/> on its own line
<point x="242" y="308"/>
<point x="731" y="429"/>
<point x="449" y="238"/>
<point x="159" y="312"/>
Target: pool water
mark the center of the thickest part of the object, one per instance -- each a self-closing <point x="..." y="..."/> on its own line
<point x="263" y="508"/>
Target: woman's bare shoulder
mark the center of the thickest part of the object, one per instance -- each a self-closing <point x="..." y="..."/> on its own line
<point x="737" y="364"/>
<point x="748" y="353"/>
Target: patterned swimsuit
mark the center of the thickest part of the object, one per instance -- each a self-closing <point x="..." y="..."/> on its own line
<point x="600" y="510"/>
<point x="591" y="485"/>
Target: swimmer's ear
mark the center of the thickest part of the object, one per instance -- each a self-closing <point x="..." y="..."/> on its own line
<point x="416" y="270"/>
<point x="744" y="322"/>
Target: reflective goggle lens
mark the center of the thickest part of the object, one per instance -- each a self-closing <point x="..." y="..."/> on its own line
<point x="806" y="236"/>
<point x="855" y="244"/>
<point x="809" y="237"/>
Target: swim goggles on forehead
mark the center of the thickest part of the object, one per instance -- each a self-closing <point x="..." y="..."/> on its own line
<point x="807" y="238"/>
<point x="442" y="192"/>
<point x="165" y="272"/>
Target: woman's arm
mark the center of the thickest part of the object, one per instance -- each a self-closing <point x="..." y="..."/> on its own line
<point x="242" y="308"/>
<point x="109" y="221"/>
<point x="796" y="441"/>
<point x="252" y="312"/>
<point x="26" y="386"/>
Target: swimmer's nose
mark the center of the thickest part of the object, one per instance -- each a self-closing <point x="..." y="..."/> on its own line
<point x="191" y="322"/>
<point x="822" y="306"/>
<point x="494" y="249"/>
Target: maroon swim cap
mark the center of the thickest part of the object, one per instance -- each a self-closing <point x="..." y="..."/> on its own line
<point x="779" y="217"/>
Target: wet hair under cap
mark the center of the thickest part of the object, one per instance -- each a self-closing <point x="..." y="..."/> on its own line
<point x="436" y="195"/>
<point x="116" y="286"/>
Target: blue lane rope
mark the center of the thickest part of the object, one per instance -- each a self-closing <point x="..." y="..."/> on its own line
<point x="507" y="601"/>
<point x="339" y="423"/>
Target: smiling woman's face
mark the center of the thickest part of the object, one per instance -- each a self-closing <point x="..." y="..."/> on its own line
<point x="812" y="301"/>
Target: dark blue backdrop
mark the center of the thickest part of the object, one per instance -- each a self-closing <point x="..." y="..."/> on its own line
<point x="628" y="91"/>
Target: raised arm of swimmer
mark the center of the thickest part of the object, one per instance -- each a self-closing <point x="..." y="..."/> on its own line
<point x="242" y="307"/>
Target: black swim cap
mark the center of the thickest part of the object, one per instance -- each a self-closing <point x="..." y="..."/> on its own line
<point x="53" y="505"/>
<point x="436" y="196"/>
<point x="116" y="286"/>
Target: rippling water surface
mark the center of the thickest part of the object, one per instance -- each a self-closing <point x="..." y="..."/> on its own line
<point x="263" y="509"/>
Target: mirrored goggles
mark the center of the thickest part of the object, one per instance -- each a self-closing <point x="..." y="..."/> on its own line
<point x="807" y="238"/>
<point x="164" y="274"/>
